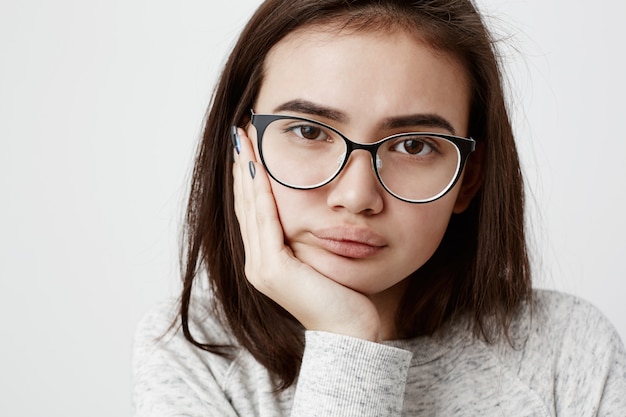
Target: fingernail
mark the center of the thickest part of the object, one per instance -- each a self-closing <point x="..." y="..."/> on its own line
<point x="235" y="139"/>
<point x="252" y="169"/>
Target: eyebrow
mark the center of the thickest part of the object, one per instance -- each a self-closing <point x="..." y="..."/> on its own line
<point x="413" y="120"/>
<point x="429" y="120"/>
<point x="310" y="108"/>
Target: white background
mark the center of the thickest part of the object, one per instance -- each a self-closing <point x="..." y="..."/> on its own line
<point x="100" y="107"/>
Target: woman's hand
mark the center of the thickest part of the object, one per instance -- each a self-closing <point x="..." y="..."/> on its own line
<point x="315" y="300"/>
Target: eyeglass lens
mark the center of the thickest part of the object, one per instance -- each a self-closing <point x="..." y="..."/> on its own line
<point x="304" y="154"/>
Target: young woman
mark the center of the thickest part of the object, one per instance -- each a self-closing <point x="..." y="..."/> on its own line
<point x="357" y="207"/>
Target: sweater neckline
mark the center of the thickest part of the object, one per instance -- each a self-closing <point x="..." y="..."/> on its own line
<point x="427" y="349"/>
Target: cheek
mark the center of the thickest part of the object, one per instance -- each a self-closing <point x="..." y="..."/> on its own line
<point x="294" y="206"/>
<point x="427" y="228"/>
<point x="283" y="202"/>
<point x="422" y="227"/>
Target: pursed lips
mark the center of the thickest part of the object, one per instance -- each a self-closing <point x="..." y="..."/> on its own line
<point x="350" y="241"/>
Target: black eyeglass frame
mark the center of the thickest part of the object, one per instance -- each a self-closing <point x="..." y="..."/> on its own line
<point x="464" y="146"/>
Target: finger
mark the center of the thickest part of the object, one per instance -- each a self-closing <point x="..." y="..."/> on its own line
<point x="240" y="194"/>
<point x="256" y="207"/>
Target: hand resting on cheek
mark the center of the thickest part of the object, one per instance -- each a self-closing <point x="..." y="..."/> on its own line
<point x="315" y="300"/>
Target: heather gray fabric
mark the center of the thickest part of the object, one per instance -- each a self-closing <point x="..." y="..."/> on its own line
<point x="566" y="360"/>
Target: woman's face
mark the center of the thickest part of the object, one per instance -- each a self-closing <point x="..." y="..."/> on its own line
<point x="352" y="230"/>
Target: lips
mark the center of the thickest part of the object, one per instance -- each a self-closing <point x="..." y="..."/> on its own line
<point x="350" y="242"/>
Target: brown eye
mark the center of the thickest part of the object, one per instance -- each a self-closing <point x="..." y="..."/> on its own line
<point x="413" y="147"/>
<point x="310" y="132"/>
<point x="418" y="147"/>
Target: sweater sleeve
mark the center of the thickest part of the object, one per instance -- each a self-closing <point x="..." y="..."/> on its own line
<point x="591" y="369"/>
<point x="345" y="376"/>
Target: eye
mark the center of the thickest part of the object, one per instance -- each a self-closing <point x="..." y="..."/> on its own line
<point x="413" y="146"/>
<point x="310" y="132"/>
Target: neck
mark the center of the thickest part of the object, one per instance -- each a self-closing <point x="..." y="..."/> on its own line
<point x="387" y="304"/>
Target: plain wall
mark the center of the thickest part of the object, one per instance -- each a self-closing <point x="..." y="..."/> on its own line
<point x="101" y="104"/>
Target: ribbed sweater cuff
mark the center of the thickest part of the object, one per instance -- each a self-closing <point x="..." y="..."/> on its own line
<point x="346" y="376"/>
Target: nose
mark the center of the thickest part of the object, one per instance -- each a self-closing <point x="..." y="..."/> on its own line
<point x="357" y="188"/>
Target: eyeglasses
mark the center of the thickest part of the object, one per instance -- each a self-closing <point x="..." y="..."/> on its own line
<point x="304" y="154"/>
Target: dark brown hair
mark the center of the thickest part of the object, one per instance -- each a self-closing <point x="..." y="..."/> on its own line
<point x="481" y="267"/>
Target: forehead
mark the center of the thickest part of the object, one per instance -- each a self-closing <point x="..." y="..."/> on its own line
<point x="364" y="73"/>
<point x="323" y="36"/>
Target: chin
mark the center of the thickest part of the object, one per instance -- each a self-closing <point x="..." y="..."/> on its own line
<point x="368" y="276"/>
<point x="359" y="276"/>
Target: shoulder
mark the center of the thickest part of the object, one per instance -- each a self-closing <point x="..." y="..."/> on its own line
<point x="558" y="303"/>
<point x="568" y="352"/>
<point x="576" y="331"/>
<point x="556" y="315"/>
<point x="562" y="322"/>
<point x="170" y="374"/>
<point x="160" y="349"/>
<point x="159" y="331"/>
<point x="162" y="323"/>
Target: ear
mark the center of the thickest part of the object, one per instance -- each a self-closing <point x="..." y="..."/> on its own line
<point x="472" y="179"/>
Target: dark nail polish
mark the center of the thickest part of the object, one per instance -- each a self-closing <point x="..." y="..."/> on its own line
<point x="252" y="169"/>
<point x="235" y="139"/>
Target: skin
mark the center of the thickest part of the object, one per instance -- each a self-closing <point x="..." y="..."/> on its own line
<point x="337" y="257"/>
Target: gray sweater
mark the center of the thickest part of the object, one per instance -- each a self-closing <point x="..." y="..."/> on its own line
<point x="566" y="360"/>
